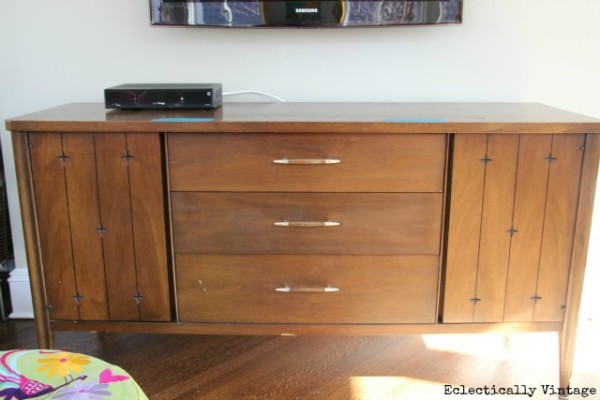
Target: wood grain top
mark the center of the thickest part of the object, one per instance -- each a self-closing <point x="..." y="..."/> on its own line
<point x="314" y="117"/>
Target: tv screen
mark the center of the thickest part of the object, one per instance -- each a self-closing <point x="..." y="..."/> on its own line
<point x="307" y="14"/>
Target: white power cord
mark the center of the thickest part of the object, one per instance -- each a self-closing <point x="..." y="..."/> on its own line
<point x="255" y="92"/>
<point x="226" y="11"/>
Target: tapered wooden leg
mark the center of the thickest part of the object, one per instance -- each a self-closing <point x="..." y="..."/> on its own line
<point x="567" y="353"/>
<point x="45" y="337"/>
<point x="28" y="215"/>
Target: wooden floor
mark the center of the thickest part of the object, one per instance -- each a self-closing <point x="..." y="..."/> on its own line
<point x="344" y="368"/>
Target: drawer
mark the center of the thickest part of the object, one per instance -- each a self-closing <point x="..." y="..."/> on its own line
<point x="367" y="163"/>
<point x="307" y="223"/>
<point x="307" y="289"/>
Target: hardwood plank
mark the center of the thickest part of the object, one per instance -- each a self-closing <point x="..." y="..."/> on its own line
<point x="337" y="368"/>
<point x="466" y="201"/>
<point x="148" y="216"/>
<point x="115" y="211"/>
<point x="207" y="355"/>
<point x="370" y="223"/>
<point x="559" y="227"/>
<point x="496" y="221"/>
<point x="306" y="375"/>
<point x="84" y="217"/>
<point x="53" y="222"/>
<point x="528" y="220"/>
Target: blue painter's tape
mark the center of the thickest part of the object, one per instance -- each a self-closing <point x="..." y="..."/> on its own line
<point x="182" y="119"/>
<point x="415" y="120"/>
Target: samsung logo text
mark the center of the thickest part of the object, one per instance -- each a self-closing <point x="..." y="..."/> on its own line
<point x="307" y="10"/>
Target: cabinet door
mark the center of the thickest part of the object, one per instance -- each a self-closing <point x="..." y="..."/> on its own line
<point x="511" y="225"/>
<point x="100" y="211"/>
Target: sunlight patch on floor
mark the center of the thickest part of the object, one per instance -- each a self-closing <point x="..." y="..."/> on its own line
<point x="393" y="387"/>
<point x="494" y="346"/>
<point x="403" y="388"/>
<point x="587" y="351"/>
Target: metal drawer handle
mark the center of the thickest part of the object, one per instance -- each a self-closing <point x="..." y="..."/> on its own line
<point x="306" y="224"/>
<point x="307" y="161"/>
<point x="326" y="289"/>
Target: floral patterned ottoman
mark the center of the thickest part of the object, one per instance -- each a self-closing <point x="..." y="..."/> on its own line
<point x="55" y="374"/>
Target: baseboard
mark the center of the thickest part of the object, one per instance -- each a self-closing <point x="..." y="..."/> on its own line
<point x="20" y="294"/>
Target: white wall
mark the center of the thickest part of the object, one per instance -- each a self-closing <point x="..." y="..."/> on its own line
<point x="61" y="51"/>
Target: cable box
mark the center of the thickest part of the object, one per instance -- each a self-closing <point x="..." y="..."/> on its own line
<point x="151" y="96"/>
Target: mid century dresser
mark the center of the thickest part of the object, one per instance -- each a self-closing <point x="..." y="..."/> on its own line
<point x="308" y="218"/>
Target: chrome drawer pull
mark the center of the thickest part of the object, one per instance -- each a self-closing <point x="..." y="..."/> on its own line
<point x="306" y="224"/>
<point x="307" y="161"/>
<point x="326" y="289"/>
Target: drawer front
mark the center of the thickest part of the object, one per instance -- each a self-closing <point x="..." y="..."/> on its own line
<point x="307" y="162"/>
<point x="307" y="223"/>
<point x="291" y="289"/>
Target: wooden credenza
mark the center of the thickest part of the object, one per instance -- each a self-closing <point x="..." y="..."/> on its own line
<point x="328" y="219"/>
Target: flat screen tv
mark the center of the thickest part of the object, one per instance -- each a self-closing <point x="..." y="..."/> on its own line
<point x="304" y="14"/>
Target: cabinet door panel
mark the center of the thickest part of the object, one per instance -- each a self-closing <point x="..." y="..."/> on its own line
<point x="53" y="222"/>
<point x="102" y="225"/>
<point x="496" y="221"/>
<point x="147" y="205"/>
<point x="82" y="190"/>
<point x="524" y="242"/>
<point x="559" y="227"/>
<point x="530" y="206"/>
<point x="115" y="212"/>
<point x="465" y="222"/>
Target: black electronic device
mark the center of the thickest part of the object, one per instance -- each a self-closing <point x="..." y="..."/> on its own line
<point x="304" y="14"/>
<point x="145" y="96"/>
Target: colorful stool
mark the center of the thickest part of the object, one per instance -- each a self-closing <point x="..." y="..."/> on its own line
<point x="55" y="374"/>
